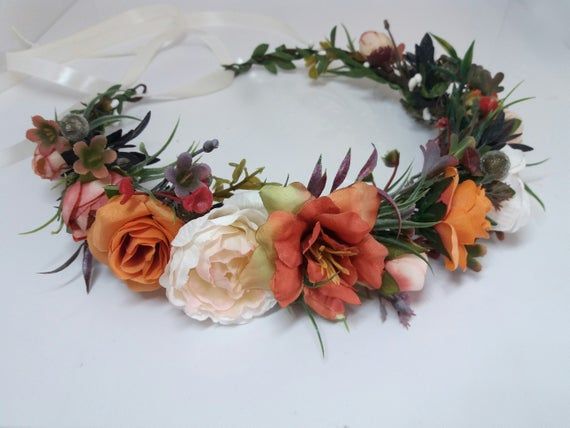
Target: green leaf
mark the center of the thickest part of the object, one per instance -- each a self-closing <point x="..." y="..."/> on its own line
<point x="389" y="285"/>
<point x="46" y="224"/>
<point x="260" y="50"/>
<point x="467" y="61"/>
<point x="349" y="39"/>
<point x="406" y="224"/>
<point x="457" y="148"/>
<point x="285" y="65"/>
<point x="322" y="65"/>
<point x="436" y="90"/>
<point x="315" y="325"/>
<point x="446" y="46"/>
<point x="333" y="36"/>
<point x="283" y="56"/>
<point x="238" y="171"/>
<point x="271" y="67"/>
<point x="108" y="119"/>
<point x="535" y="196"/>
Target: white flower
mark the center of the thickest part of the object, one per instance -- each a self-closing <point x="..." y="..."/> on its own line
<point x="210" y="274"/>
<point x="426" y="115"/>
<point x="515" y="212"/>
<point x="416" y="80"/>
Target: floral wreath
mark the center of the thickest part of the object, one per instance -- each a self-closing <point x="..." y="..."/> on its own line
<point x="229" y="248"/>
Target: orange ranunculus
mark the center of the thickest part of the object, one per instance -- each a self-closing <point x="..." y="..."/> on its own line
<point x="321" y="248"/>
<point x="465" y="219"/>
<point x="134" y="239"/>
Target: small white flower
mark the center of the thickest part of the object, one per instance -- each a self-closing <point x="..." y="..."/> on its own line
<point x="452" y="87"/>
<point x="397" y="72"/>
<point x="322" y="53"/>
<point x="416" y="80"/>
<point x="366" y="64"/>
<point x="426" y="115"/>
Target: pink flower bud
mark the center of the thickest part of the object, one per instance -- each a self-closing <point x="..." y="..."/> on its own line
<point x="376" y="47"/>
<point x="48" y="166"/>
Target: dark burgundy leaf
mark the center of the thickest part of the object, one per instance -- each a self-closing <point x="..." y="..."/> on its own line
<point x="87" y="267"/>
<point x="67" y="262"/>
<point x="434" y="162"/>
<point x="521" y="147"/>
<point x="471" y="160"/>
<point x="405" y="313"/>
<point x="369" y="166"/>
<point x="342" y="172"/>
<point x="316" y="180"/>
<point x="133" y="133"/>
<point x="389" y="199"/>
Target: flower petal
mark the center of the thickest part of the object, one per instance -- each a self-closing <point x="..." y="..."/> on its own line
<point x="347" y="226"/>
<point x="369" y="263"/>
<point x="449" y="240"/>
<point x="360" y="198"/>
<point x="289" y="198"/>
<point x="286" y="284"/>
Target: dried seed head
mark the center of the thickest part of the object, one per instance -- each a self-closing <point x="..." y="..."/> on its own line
<point x="495" y="164"/>
<point x="74" y="127"/>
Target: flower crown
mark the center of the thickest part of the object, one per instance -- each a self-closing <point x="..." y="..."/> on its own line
<point x="229" y="248"/>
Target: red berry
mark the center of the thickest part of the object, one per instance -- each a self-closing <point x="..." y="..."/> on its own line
<point x="199" y="201"/>
<point x="487" y="104"/>
<point x="126" y="189"/>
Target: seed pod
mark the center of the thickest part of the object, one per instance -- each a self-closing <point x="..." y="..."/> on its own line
<point x="74" y="127"/>
<point x="495" y="164"/>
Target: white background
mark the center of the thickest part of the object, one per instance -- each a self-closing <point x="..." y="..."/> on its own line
<point x="487" y="349"/>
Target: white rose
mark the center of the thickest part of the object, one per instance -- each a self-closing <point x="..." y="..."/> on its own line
<point x="515" y="212"/>
<point x="210" y="274"/>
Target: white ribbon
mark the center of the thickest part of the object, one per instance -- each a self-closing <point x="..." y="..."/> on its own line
<point x="146" y="31"/>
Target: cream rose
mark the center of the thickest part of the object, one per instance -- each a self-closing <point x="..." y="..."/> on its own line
<point x="211" y="272"/>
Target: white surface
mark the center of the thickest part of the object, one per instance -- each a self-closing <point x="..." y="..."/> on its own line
<point x="487" y="349"/>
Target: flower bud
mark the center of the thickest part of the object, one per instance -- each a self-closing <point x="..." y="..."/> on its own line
<point x="376" y="47"/>
<point x="74" y="127"/>
<point x="495" y="164"/>
<point x="392" y="159"/>
<point x="210" y="145"/>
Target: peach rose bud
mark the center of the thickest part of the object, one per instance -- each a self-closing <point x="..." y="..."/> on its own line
<point x="409" y="271"/>
<point x="48" y="166"/>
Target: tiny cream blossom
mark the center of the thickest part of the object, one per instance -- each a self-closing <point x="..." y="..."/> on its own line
<point x="366" y="64"/>
<point x="426" y="115"/>
<point x="416" y="80"/>
<point x="452" y="87"/>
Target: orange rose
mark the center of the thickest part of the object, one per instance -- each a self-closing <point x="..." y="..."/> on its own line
<point x="465" y="220"/>
<point x="134" y="239"/>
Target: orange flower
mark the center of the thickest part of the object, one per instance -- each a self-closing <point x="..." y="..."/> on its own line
<point x="465" y="219"/>
<point x="134" y="239"/>
<point x="321" y="248"/>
